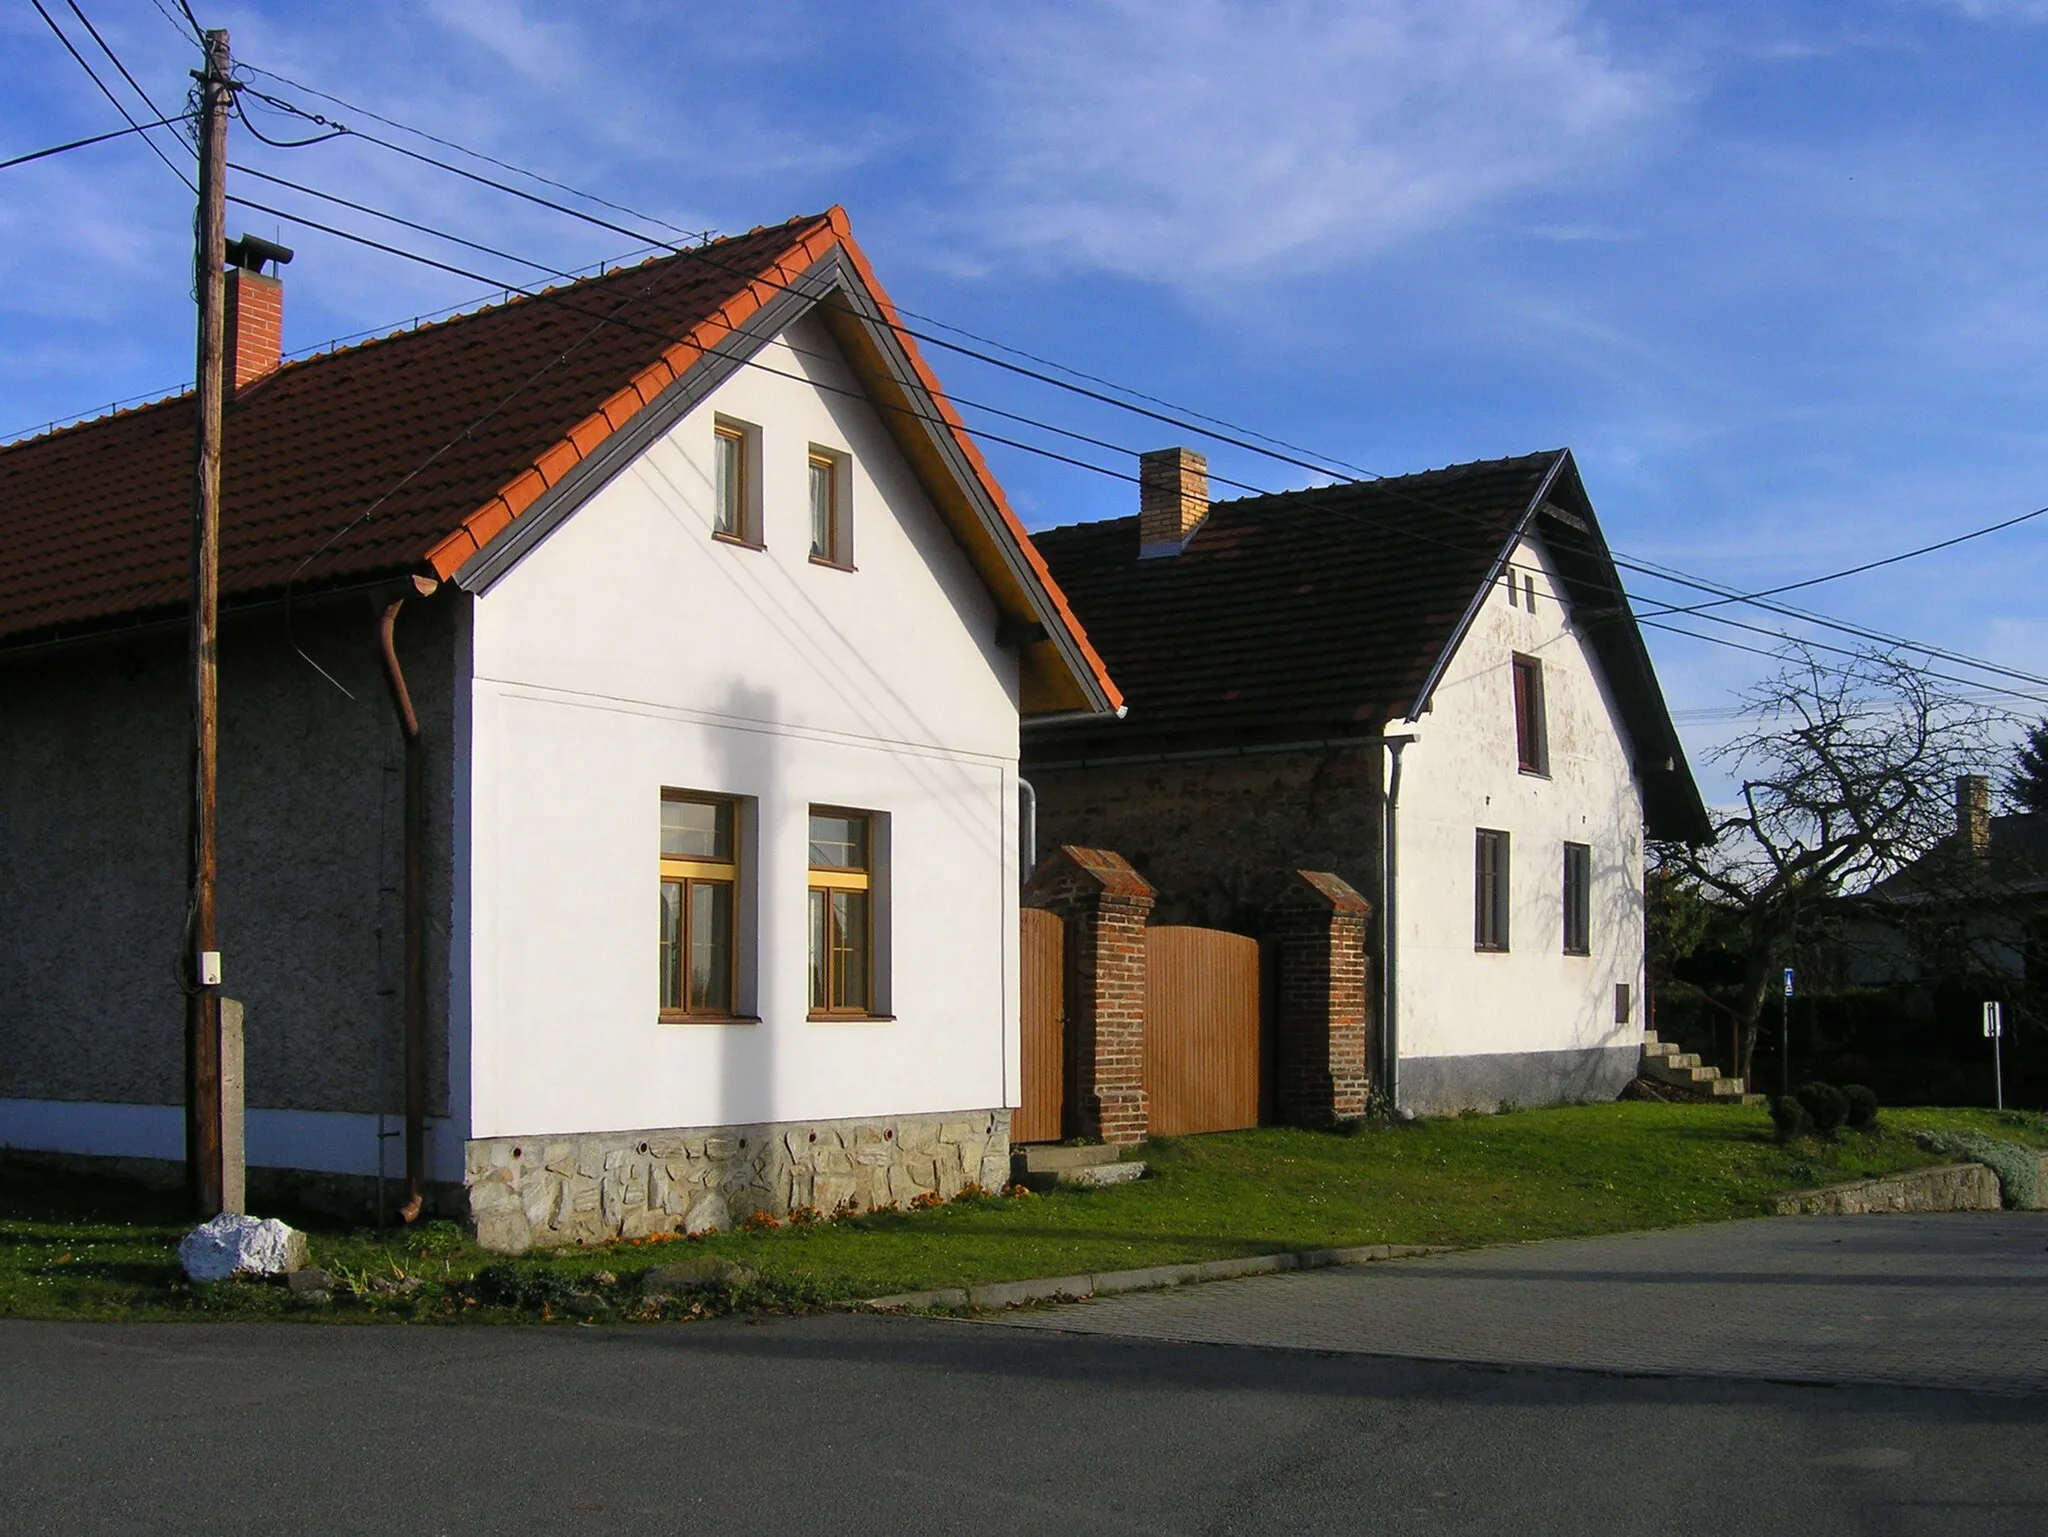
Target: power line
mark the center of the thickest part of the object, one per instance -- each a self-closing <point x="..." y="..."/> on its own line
<point x="84" y="64"/>
<point x="1779" y="656"/>
<point x="1318" y="464"/>
<point x="98" y="138"/>
<point x="1874" y="636"/>
<point x="1869" y="565"/>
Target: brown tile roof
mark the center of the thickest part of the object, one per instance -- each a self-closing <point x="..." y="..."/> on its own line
<point x="1323" y="613"/>
<point x="410" y="451"/>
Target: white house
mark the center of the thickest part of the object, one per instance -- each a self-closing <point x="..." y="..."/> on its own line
<point x="1430" y="685"/>
<point x="717" y="632"/>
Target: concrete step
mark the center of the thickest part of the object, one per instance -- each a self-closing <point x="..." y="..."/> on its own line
<point x="1049" y="1157"/>
<point x="1654" y="1050"/>
<point x="1686" y="1077"/>
<point x="1725" y="1088"/>
<point x="1682" y="1059"/>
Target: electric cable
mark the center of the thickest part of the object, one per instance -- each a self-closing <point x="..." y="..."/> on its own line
<point x="98" y="138"/>
<point x="86" y="65"/>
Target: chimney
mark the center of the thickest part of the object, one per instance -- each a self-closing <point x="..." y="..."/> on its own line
<point x="1973" y="812"/>
<point x="255" y="312"/>
<point x="1173" y="498"/>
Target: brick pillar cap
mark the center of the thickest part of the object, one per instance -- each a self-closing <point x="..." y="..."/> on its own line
<point x="1321" y="890"/>
<point x="1111" y="874"/>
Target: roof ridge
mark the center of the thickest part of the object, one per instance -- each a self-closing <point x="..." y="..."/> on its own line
<point x="423" y="328"/>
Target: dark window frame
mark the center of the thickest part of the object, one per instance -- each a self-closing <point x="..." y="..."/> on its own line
<point x="1491" y="890"/>
<point x="1532" y="726"/>
<point x="1578" y="899"/>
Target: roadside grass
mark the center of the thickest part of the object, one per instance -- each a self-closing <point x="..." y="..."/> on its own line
<point x="83" y="1249"/>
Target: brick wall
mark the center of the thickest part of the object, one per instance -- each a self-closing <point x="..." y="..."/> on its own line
<point x="1217" y="836"/>
<point x="1104" y="904"/>
<point x="1318" y="930"/>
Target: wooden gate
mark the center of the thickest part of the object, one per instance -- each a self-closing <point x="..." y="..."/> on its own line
<point x="1042" y="983"/>
<point x="1201" y="1030"/>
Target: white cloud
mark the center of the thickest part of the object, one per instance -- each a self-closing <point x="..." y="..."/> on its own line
<point x="539" y="50"/>
<point x="1214" y="137"/>
<point x="1998" y="10"/>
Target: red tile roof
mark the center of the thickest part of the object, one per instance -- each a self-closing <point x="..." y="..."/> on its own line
<point x="410" y="451"/>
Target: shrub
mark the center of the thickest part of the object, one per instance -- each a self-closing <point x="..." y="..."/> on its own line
<point x="1790" y="1117"/>
<point x="2018" y="1168"/>
<point x="1826" y="1104"/>
<point x="1862" y="1107"/>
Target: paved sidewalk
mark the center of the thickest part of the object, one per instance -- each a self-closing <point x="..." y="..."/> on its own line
<point x="1957" y="1301"/>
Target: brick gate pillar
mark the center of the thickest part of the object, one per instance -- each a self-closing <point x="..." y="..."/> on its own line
<point x="1104" y="904"/>
<point x="1318" y="927"/>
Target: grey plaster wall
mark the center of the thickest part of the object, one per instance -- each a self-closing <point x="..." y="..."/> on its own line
<point x="93" y="754"/>
<point x="1217" y="836"/>
<point x="1445" y="1085"/>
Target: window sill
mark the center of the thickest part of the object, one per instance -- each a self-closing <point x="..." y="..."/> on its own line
<point x="832" y="565"/>
<point x="740" y="540"/>
<point x="817" y="1018"/>
<point x="1490" y="950"/>
<point x="676" y="1017"/>
<point x="1579" y="955"/>
<point x="1533" y="773"/>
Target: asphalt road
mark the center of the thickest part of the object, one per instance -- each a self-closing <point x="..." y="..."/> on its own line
<point x="851" y="1424"/>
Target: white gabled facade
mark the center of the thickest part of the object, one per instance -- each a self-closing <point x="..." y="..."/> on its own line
<point x="1529" y="1023"/>
<point x="632" y="651"/>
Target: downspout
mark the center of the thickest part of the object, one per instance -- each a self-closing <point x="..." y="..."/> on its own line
<point x="1027" y="811"/>
<point x="414" y="962"/>
<point x="1390" y="887"/>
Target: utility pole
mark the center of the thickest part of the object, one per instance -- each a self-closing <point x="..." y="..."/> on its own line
<point x="204" y="1167"/>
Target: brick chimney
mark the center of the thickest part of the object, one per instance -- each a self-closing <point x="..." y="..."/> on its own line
<point x="1173" y="498"/>
<point x="1973" y="812"/>
<point x="254" y="320"/>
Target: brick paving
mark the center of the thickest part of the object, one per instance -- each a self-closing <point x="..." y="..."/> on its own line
<point x="1952" y="1300"/>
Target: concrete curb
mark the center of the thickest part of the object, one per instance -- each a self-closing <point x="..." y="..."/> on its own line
<point x="1107" y="1283"/>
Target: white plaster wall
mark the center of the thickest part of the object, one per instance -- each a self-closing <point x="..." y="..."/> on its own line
<point x="1460" y="775"/>
<point x="633" y="651"/>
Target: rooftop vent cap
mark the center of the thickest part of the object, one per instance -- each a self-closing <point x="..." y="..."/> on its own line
<point x="252" y="251"/>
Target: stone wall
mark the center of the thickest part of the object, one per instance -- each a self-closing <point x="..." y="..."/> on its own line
<point x="543" y="1192"/>
<point x="1217" y="837"/>
<point x="1953" y="1187"/>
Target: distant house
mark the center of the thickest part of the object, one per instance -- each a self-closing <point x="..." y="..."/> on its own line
<point x="1974" y="908"/>
<point x="1429" y="685"/>
<point x="717" y="632"/>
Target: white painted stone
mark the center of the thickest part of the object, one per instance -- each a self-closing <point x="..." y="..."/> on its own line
<point x="232" y="1244"/>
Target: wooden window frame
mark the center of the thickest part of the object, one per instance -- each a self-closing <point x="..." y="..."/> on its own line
<point x="692" y="874"/>
<point x="838" y="552"/>
<point x="1491" y="890"/>
<point x="1578" y="899"/>
<point x="1532" y="723"/>
<point x="823" y="880"/>
<point x="747" y="533"/>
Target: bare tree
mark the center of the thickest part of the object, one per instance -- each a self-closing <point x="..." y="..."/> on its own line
<point x="1847" y="773"/>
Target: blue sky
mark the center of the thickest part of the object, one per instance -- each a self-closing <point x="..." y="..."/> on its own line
<point x="1778" y="273"/>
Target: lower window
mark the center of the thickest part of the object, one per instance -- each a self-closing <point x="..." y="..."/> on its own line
<point x="1578" y="899"/>
<point x="842" y="912"/>
<point x="1490" y="890"/>
<point x="699" y="886"/>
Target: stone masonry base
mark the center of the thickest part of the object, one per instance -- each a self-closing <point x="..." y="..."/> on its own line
<point x="548" y="1191"/>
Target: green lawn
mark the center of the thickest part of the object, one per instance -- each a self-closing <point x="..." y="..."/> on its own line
<point x="74" y="1248"/>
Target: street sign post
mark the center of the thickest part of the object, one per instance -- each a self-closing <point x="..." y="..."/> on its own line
<point x="1785" y="1034"/>
<point x="1994" y="1032"/>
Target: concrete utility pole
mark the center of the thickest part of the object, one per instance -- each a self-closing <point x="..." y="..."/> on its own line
<point x="205" y="1172"/>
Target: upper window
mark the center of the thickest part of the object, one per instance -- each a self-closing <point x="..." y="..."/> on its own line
<point x="1578" y="899"/>
<point x="1514" y="589"/>
<point x="1532" y="749"/>
<point x="1490" y="890"/>
<point x="699" y="889"/>
<point x="735" y="509"/>
<point x="831" y="542"/>
<point x="842" y="911"/>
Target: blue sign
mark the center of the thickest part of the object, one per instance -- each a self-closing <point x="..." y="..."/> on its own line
<point x="1789" y="974"/>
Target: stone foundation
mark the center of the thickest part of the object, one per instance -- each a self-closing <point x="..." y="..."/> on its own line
<point x="544" y="1192"/>
<point x="1953" y="1187"/>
